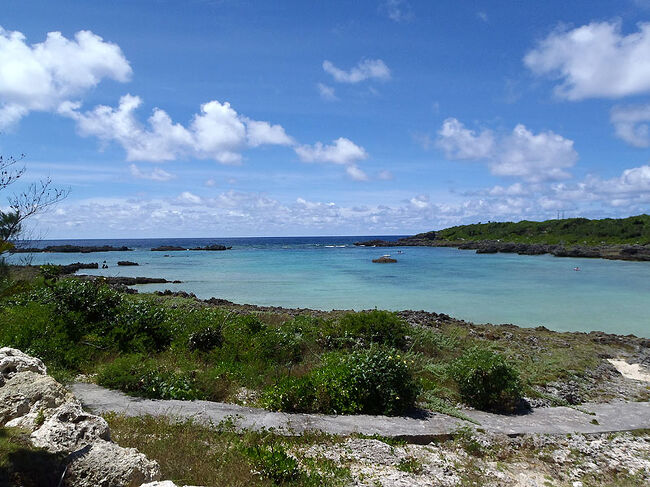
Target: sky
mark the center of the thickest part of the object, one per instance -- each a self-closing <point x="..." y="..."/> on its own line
<point x="208" y="118"/>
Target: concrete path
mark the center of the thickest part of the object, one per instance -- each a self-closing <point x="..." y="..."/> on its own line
<point x="558" y="420"/>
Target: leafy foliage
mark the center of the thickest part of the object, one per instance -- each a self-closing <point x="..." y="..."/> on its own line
<point x="376" y="381"/>
<point x="632" y="230"/>
<point x="487" y="381"/>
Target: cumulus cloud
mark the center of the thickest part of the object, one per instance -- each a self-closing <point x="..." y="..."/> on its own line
<point x="532" y="157"/>
<point x="341" y="151"/>
<point x="355" y="173"/>
<point x="39" y="77"/>
<point x="631" y="124"/>
<point x="189" y="198"/>
<point x="397" y="10"/>
<point x="156" y="174"/>
<point x="218" y="132"/>
<point x="595" y="60"/>
<point x="365" y="69"/>
<point x="326" y="92"/>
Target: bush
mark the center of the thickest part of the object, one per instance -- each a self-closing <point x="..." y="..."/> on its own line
<point x="205" y="339"/>
<point x="274" y="463"/>
<point x="376" y="381"/>
<point x="138" y="375"/>
<point x="96" y="302"/>
<point x="367" y="327"/>
<point x="487" y="381"/>
<point x="140" y="326"/>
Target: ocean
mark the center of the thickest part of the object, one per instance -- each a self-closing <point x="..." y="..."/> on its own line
<point x="331" y="273"/>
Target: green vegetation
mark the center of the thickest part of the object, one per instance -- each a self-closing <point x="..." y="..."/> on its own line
<point x="345" y="363"/>
<point x="570" y="231"/>
<point x="189" y="453"/>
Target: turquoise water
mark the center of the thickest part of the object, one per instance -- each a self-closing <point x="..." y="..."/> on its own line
<point x="330" y="273"/>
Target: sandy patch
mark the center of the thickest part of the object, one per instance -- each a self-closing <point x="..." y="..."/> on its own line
<point x="630" y="371"/>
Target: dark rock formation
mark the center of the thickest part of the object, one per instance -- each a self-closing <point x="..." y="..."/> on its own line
<point x="72" y="268"/>
<point x="612" y="252"/>
<point x="129" y="281"/>
<point x="126" y="263"/>
<point x="384" y="260"/>
<point x="71" y="249"/>
<point x="168" y="248"/>
<point x="212" y="247"/>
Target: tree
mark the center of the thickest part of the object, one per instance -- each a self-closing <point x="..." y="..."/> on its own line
<point x="35" y="198"/>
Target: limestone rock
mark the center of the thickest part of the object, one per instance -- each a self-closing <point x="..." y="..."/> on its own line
<point x="28" y="393"/>
<point x="13" y="361"/>
<point x="70" y="428"/>
<point x="105" y="464"/>
<point x="164" y="483"/>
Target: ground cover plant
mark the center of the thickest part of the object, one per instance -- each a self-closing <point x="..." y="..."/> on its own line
<point x="371" y="362"/>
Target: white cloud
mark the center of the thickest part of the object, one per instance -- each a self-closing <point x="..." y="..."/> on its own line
<point x="460" y="143"/>
<point x="260" y="133"/>
<point x="341" y="151"/>
<point x="355" y="173"/>
<point x="42" y="76"/>
<point x="532" y="157"/>
<point x="156" y="174"/>
<point x="595" y="60"/>
<point x="366" y="69"/>
<point x="397" y="10"/>
<point x="482" y="16"/>
<point x="218" y="132"/>
<point x="631" y="124"/>
<point x="326" y="92"/>
<point x="189" y="198"/>
<point x="385" y="175"/>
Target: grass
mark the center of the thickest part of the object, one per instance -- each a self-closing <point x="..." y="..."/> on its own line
<point x="23" y="465"/>
<point x="190" y="453"/>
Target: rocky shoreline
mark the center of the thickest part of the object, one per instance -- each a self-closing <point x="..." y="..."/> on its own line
<point x="430" y="239"/>
<point x="69" y="249"/>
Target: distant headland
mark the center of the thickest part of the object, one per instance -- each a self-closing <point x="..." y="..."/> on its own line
<point x="609" y="238"/>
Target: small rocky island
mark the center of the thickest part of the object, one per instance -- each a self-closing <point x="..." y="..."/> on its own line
<point x="126" y="263"/>
<point x="175" y="248"/>
<point x="384" y="259"/>
<point x="70" y="249"/>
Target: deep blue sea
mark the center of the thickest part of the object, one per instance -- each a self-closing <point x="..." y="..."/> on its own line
<point x="331" y="273"/>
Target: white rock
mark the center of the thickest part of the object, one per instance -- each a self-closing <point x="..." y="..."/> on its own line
<point x="69" y="428"/>
<point x="28" y="393"/>
<point x="13" y="361"/>
<point x="105" y="464"/>
<point x="164" y="483"/>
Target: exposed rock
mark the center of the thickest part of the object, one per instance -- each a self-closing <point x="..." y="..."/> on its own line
<point x="70" y="428"/>
<point x="13" y="361"/>
<point x="126" y="263"/>
<point x="168" y="248"/>
<point x="105" y="464"/>
<point x="164" y="483"/>
<point x="212" y="247"/>
<point x="128" y="281"/>
<point x="384" y="260"/>
<point x="72" y="268"/>
<point x="27" y="393"/>
<point x="83" y="249"/>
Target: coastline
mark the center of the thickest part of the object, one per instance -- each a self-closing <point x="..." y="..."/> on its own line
<point x="640" y="253"/>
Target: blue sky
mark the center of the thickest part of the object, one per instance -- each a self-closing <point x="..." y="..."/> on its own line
<point x="241" y="118"/>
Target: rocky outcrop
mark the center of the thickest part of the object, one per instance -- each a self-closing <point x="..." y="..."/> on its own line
<point x="126" y="263"/>
<point x="384" y="260"/>
<point x="128" y="281"/>
<point x="611" y="252"/>
<point x="82" y="249"/>
<point x="72" y="268"/>
<point x="32" y="400"/>
<point x="212" y="247"/>
<point x="168" y="248"/>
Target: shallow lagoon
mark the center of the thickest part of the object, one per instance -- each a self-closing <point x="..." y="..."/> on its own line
<point x="330" y="273"/>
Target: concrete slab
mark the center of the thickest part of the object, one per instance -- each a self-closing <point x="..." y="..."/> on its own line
<point x="558" y="420"/>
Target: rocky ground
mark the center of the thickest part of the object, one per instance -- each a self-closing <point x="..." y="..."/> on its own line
<point x="54" y="421"/>
<point x="497" y="461"/>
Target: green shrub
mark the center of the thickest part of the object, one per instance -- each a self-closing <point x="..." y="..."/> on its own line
<point x="274" y="463"/>
<point x="486" y="380"/>
<point x="376" y="381"/>
<point x="139" y="326"/>
<point x="141" y="376"/>
<point x="96" y="302"/>
<point x="368" y="327"/>
<point x="205" y="339"/>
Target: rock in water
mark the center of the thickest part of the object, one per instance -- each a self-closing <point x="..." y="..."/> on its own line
<point x="126" y="263"/>
<point x="384" y="260"/>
